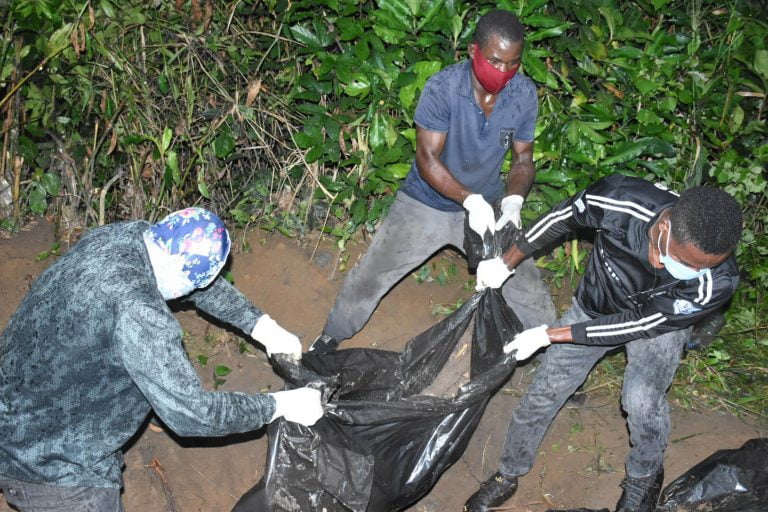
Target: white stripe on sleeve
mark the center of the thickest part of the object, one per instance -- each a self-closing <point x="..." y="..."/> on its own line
<point x="544" y="224"/>
<point x="629" y="207"/>
<point x="642" y="324"/>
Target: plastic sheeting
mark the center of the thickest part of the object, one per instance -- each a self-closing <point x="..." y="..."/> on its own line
<point x="383" y="444"/>
<point x="726" y="481"/>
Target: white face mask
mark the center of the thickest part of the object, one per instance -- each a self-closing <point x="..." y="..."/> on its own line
<point x="675" y="268"/>
<point x="171" y="279"/>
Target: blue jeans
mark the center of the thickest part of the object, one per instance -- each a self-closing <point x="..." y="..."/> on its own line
<point x="651" y="366"/>
<point x="408" y="236"/>
<point x="29" y="497"/>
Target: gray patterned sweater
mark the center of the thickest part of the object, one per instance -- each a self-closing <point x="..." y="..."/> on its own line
<point x="92" y="348"/>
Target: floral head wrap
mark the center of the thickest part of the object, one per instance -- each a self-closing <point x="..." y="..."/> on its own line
<point x="191" y="246"/>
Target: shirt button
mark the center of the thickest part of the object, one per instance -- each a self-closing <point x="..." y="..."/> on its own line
<point x="12" y="491"/>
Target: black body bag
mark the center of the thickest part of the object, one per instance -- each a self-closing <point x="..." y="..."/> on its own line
<point x="382" y="443"/>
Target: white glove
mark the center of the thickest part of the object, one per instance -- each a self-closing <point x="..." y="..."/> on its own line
<point x="275" y="339"/>
<point x="528" y="342"/>
<point x="300" y="405"/>
<point x="481" y="217"/>
<point x="492" y="273"/>
<point x="510" y="211"/>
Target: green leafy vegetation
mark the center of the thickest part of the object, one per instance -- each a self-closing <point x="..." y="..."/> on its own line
<point x="298" y="116"/>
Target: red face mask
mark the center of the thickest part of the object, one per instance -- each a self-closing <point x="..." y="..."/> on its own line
<point x="489" y="77"/>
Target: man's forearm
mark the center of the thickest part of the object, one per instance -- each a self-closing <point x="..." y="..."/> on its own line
<point x="520" y="178"/>
<point x="513" y="256"/>
<point x="560" y="334"/>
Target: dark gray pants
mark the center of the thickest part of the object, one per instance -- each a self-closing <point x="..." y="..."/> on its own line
<point x="28" y="497"/>
<point x="408" y="236"/>
<point x="651" y="366"/>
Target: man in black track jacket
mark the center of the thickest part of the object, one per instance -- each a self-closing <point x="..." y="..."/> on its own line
<point x="660" y="262"/>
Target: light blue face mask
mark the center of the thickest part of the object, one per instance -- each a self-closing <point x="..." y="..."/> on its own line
<point x="675" y="268"/>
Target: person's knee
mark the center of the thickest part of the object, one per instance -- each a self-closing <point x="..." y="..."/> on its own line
<point x="643" y="399"/>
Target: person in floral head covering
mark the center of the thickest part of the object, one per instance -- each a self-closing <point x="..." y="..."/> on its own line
<point x="93" y="349"/>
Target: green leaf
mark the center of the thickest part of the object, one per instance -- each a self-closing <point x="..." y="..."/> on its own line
<point x="162" y="83"/>
<point x="166" y="140"/>
<point x="51" y="183"/>
<point x="554" y="177"/>
<point x="59" y="39"/>
<point x="546" y="33"/>
<point x="388" y="35"/>
<point x="222" y="371"/>
<point x="305" y="36"/>
<point x="37" y="202"/>
<point x="627" y="151"/>
<point x="350" y="29"/>
<point x="537" y="70"/>
<point x="394" y="173"/>
<point x="203" y="189"/>
<point x="223" y="145"/>
<point x="203" y="360"/>
<point x="589" y="132"/>
<point x="173" y="166"/>
<point x="588" y="65"/>
<point x="398" y="11"/>
<point x="530" y="6"/>
<point x="359" y="211"/>
<point x="761" y="63"/>
<point x="737" y="118"/>
<point x="360" y="85"/>
<point x="644" y="85"/>
<point x="542" y="20"/>
<point x="646" y="117"/>
<point x="108" y="9"/>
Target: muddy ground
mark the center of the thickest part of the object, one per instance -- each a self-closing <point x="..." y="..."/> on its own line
<point x="580" y="463"/>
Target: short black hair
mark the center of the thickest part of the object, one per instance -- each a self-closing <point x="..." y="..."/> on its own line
<point x="709" y="218"/>
<point x="501" y="23"/>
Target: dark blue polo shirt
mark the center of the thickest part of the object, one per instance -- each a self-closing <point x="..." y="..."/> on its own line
<point x="475" y="146"/>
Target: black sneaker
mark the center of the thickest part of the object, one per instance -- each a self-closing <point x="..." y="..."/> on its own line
<point x="492" y="493"/>
<point x="640" y="494"/>
<point x="705" y="331"/>
<point x="324" y="344"/>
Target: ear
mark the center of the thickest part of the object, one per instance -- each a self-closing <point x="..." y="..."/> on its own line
<point x="471" y="49"/>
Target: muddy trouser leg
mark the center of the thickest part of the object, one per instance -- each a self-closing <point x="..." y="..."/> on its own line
<point x="651" y="366"/>
<point x="528" y="296"/>
<point x="53" y="498"/>
<point x="408" y="236"/>
<point x="563" y="369"/>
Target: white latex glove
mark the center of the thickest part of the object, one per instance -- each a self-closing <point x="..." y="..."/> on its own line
<point x="510" y="211"/>
<point x="528" y="342"/>
<point x="492" y="273"/>
<point x="275" y="339"/>
<point x="481" y="216"/>
<point x="300" y="405"/>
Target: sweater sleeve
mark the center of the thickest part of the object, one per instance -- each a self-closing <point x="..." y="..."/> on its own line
<point x="148" y="338"/>
<point x="672" y="311"/>
<point x="223" y="301"/>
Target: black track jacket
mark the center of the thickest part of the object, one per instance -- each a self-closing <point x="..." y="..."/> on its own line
<point x="625" y="296"/>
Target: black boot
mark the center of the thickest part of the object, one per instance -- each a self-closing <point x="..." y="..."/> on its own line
<point x="324" y="344"/>
<point x="640" y="494"/>
<point x="492" y="493"/>
<point x="705" y="331"/>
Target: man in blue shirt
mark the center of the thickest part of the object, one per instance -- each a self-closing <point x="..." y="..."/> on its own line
<point x="469" y="116"/>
